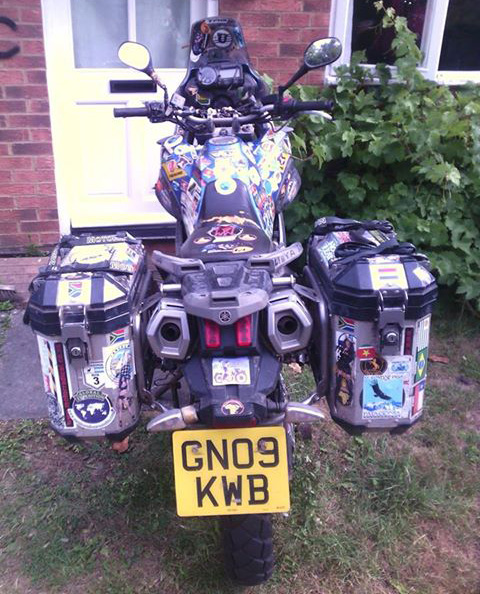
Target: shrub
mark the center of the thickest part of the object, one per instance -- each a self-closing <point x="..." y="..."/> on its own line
<point x="406" y="150"/>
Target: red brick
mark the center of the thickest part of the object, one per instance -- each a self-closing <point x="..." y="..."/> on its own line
<point x="29" y="121"/>
<point x="321" y="19"/>
<point x="13" y="135"/>
<point x="36" y="76"/>
<point x="10" y="241"/>
<point x="6" y="202"/>
<point x="27" y="214"/>
<point x="21" y="61"/>
<point x="32" y="47"/>
<point x="14" y="189"/>
<point x="11" y="76"/>
<point x="49" y="238"/>
<point x="38" y="106"/>
<point x="4" y="149"/>
<point x="46" y="189"/>
<point x="225" y="5"/>
<point x="5" y="176"/>
<point x="286" y="65"/>
<point x="26" y="91"/>
<point x="292" y="49"/>
<point x="16" y="163"/>
<point x="41" y="134"/>
<point x="35" y="201"/>
<point x="44" y="163"/>
<point x="276" y="6"/>
<point x="264" y="49"/>
<point x="13" y="106"/>
<point x="39" y="226"/>
<point x="317" y="6"/>
<point x="3" y="121"/>
<point x="32" y="148"/>
<point x="31" y="15"/>
<point x="50" y="214"/>
<point x="11" y="13"/>
<point x="8" y="227"/>
<point x="299" y="19"/>
<point x="30" y="176"/>
<point x="29" y="31"/>
<point x="258" y="19"/>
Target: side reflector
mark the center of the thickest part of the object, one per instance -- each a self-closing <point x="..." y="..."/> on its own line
<point x="243" y="329"/>
<point x="212" y="334"/>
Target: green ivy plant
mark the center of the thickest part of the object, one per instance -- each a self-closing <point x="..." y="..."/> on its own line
<point x="401" y="148"/>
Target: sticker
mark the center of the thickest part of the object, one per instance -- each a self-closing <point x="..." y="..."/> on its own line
<point x="74" y="292"/>
<point x="225" y="186"/>
<point x="421" y="372"/>
<point x="94" y="375"/>
<point x="345" y="368"/>
<point x="408" y="342"/>
<point x="55" y="411"/>
<point x="231" y="371"/>
<point x="342" y="236"/>
<point x="423" y="275"/>
<point x="172" y="170"/>
<point x="242" y="249"/>
<point x="384" y="275"/>
<point x="88" y="254"/>
<point x="399" y="364"/>
<point x="366" y="352"/>
<point x="232" y="407"/>
<point x="222" y="38"/>
<point x="418" y="396"/>
<point x="92" y="409"/>
<point x="225" y="232"/>
<point x="204" y="28"/>
<point x="248" y="237"/>
<point x="346" y="324"/>
<point x="375" y="366"/>
<point x="382" y="397"/>
<point x="202" y="240"/>
<point x="118" y="335"/>
<point x="118" y="361"/>
<point x="326" y="250"/>
<point x="422" y="333"/>
<point x="224" y="316"/>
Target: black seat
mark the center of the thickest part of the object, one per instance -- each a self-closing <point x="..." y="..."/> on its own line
<point x="226" y="238"/>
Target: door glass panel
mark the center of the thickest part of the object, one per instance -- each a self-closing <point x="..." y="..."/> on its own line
<point x="99" y="27"/>
<point x="461" y="38"/>
<point x="164" y="27"/>
<point x="367" y="32"/>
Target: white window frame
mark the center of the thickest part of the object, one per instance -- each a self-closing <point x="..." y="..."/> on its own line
<point x="341" y="16"/>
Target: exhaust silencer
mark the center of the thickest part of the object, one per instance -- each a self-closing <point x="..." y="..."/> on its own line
<point x="289" y="322"/>
<point x="167" y="330"/>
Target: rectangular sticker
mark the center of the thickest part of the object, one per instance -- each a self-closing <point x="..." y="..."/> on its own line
<point x="74" y="291"/>
<point x="345" y="366"/>
<point x="388" y="275"/>
<point x="383" y="397"/>
<point x="418" y="396"/>
<point x="234" y="371"/>
<point x="421" y="372"/>
<point x="422" y="333"/>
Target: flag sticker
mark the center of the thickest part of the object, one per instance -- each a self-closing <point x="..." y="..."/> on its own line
<point x="422" y="357"/>
<point x="418" y="395"/>
<point x="366" y="352"/>
<point x="388" y="275"/>
<point x="423" y="330"/>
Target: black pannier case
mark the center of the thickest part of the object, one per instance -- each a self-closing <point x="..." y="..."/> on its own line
<point x="374" y="298"/>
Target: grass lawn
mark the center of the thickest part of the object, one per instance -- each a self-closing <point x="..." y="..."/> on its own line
<point x="370" y="515"/>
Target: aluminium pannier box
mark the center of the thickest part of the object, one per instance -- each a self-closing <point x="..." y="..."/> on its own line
<point x="374" y="299"/>
<point x="80" y="311"/>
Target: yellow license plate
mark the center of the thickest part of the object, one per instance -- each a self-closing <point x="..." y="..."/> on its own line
<point x="231" y="471"/>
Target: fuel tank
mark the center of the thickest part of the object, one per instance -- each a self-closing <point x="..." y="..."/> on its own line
<point x="230" y="164"/>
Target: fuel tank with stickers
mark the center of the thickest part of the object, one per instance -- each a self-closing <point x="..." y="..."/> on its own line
<point x="372" y="309"/>
<point x="216" y="177"/>
<point x="80" y="309"/>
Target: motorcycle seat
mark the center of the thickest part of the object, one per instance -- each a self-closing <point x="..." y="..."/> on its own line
<point x="223" y="238"/>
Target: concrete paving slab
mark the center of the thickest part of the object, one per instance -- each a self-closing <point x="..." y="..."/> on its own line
<point x="21" y="384"/>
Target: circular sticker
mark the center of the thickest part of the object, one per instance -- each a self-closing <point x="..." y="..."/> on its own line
<point x="225" y="186"/>
<point x="375" y="366"/>
<point x="92" y="409"/>
<point x="232" y="407"/>
<point x="119" y="364"/>
<point x="222" y="38"/>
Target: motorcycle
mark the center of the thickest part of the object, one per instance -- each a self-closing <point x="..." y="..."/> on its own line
<point x="223" y="314"/>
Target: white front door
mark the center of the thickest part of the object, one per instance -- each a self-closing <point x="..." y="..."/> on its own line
<point x="105" y="168"/>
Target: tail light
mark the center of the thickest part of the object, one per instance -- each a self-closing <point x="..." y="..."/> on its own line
<point x="243" y="331"/>
<point x="212" y="334"/>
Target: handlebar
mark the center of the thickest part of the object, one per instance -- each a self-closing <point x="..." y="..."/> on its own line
<point x="130" y="112"/>
<point x="293" y="106"/>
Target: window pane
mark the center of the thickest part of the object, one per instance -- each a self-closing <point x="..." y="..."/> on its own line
<point x="461" y="38"/>
<point x="164" y="27"/>
<point x="367" y="32"/>
<point x="99" y="27"/>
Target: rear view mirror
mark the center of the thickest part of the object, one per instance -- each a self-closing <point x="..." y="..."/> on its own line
<point x="136" y="56"/>
<point x="322" y="52"/>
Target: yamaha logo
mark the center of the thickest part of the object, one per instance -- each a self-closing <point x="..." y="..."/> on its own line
<point x="232" y="407"/>
<point x="225" y="316"/>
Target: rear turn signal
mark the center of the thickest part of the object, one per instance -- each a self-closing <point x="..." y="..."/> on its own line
<point x="243" y="331"/>
<point x="212" y="334"/>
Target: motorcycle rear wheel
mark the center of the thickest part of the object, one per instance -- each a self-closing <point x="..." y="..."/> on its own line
<point x="248" y="548"/>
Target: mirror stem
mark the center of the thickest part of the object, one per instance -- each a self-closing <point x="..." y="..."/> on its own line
<point x="300" y="72"/>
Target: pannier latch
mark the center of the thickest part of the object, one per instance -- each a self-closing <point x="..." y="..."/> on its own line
<point x="74" y="327"/>
<point x="391" y="319"/>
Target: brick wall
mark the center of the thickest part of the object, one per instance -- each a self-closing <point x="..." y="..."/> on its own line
<point x="278" y="31"/>
<point x="28" y="205"/>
